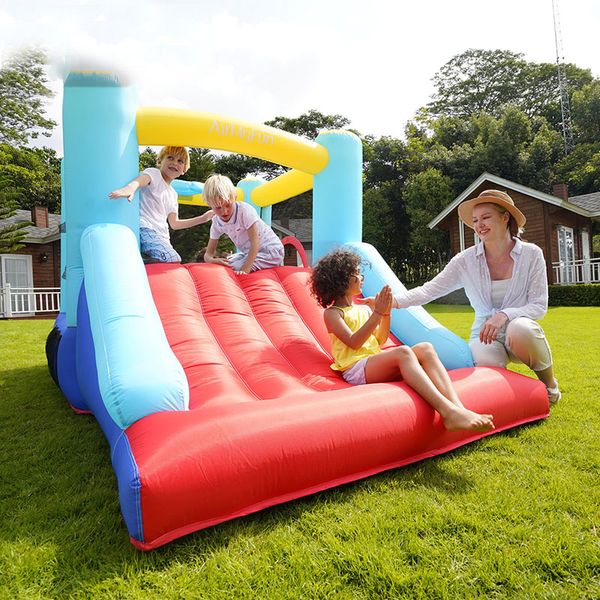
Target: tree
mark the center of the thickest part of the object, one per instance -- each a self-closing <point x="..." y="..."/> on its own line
<point x="384" y="171"/>
<point x="378" y="222"/>
<point x="488" y="80"/>
<point x="34" y="173"/>
<point x="581" y="169"/>
<point x="309" y="124"/>
<point x="477" y="81"/>
<point x="586" y="113"/>
<point x="23" y="93"/>
<point x="426" y="194"/>
<point x="147" y="159"/>
<point x="12" y="234"/>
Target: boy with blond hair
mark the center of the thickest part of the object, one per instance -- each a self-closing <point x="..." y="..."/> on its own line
<point x="158" y="203"/>
<point x="259" y="247"/>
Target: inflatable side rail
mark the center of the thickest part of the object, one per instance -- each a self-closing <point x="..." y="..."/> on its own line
<point x="415" y="324"/>
<point x="137" y="372"/>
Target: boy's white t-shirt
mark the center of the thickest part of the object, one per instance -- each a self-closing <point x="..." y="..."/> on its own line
<point x="244" y="216"/>
<point x="157" y="200"/>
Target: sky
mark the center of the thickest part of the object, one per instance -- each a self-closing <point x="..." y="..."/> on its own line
<point x="371" y="61"/>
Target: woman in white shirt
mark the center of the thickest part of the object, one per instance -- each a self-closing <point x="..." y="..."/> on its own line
<point x="505" y="281"/>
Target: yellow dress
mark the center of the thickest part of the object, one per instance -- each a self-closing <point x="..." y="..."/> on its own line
<point x="355" y="317"/>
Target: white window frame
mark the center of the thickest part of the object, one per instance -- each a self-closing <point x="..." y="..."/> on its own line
<point x="585" y="255"/>
<point x="567" y="264"/>
<point x="30" y="298"/>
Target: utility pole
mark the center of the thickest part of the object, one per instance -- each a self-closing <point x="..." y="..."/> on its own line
<point x="565" y="106"/>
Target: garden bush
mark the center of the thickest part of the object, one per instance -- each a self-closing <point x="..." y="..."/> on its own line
<point x="574" y="295"/>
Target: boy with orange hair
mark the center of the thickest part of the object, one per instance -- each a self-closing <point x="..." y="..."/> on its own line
<point x="158" y="203"/>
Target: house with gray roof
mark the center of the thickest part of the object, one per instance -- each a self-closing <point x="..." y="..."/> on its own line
<point x="30" y="277"/>
<point x="561" y="225"/>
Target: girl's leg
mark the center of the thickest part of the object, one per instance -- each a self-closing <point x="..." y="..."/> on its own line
<point x="401" y="362"/>
<point x="432" y="365"/>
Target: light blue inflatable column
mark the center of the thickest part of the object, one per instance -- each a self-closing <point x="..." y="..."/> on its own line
<point x="101" y="154"/>
<point x="247" y="185"/>
<point x="337" y="193"/>
<point x="63" y="241"/>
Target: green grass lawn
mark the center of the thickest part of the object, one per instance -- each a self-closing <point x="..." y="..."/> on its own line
<point x="514" y="515"/>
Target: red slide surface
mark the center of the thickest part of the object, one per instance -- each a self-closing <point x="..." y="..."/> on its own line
<point x="269" y="421"/>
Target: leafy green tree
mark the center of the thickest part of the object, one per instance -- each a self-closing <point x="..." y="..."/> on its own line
<point x="35" y="173"/>
<point x="488" y="80"/>
<point x="12" y="234"/>
<point x="378" y="222"/>
<point x="426" y="194"/>
<point x="384" y="170"/>
<point x="586" y="113"/>
<point x="23" y="93"/>
<point x="477" y="81"/>
<point x="581" y="169"/>
<point x="309" y="124"/>
<point x="513" y="146"/>
<point x="147" y="159"/>
<point x="538" y="158"/>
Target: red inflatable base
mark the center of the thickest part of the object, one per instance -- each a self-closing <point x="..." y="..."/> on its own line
<point x="269" y="421"/>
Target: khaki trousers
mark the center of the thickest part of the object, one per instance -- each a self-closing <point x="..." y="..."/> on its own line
<point x="522" y="340"/>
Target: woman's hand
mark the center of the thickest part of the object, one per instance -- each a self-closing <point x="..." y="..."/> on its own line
<point x="382" y="304"/>
<point x="368" y="301"/>
<point x="489" y="330"/>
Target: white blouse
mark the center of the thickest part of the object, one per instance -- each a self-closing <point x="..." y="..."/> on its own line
<point x="526" y="296"/>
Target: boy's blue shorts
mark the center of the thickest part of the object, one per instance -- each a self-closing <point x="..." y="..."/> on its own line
<point x="157" y="248"/>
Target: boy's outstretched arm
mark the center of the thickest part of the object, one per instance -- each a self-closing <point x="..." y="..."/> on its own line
<point x="176" y="223"/>
<point x="254" y="247"/>
<point x="127" y="191"/>
<point x="209" y="255"/>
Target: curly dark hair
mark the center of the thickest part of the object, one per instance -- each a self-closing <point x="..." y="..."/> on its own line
<point x="330" y="277"/>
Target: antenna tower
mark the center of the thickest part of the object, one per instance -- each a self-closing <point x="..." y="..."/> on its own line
<point x="565" y="107"/>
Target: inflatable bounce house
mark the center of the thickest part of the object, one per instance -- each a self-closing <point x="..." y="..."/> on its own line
<point x="214" y="390"/>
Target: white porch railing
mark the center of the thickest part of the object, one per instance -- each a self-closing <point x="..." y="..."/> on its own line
<point x="25" y="302"/>
<point x="577" y="271"/>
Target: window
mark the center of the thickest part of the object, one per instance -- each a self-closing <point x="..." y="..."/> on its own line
<point x="16" y="271"/>
<point x="566" y="254"/>
<point x="585" y="254"/>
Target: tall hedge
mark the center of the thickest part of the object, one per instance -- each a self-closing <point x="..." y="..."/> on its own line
<point x="574" y="295"/>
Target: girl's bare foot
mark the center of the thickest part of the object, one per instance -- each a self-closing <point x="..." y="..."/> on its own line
<point x="463" y="418"/>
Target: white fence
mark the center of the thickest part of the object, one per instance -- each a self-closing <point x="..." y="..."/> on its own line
<point x="577" y="271"/>
<point x="26" y="302"/>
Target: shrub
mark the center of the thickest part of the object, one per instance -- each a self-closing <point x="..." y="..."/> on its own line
<point x="574" y="295"/>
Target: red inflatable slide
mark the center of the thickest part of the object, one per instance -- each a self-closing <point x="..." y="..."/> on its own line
<point x="269" y="421"/>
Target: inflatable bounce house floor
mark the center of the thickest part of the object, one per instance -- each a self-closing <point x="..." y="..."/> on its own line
<point x="268" y="420"/>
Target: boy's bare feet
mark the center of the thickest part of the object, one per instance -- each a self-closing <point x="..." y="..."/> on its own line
<point x="463" y="418"/>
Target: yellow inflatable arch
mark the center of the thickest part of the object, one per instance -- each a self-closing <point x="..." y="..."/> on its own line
<point x="214" y="131"/>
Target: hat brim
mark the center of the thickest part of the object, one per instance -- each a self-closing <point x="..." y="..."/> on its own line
<point x="465" y="210"/>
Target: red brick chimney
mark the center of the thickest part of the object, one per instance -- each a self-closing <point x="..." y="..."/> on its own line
<point x="561" y="190"/>
<point x="39" y="216"/>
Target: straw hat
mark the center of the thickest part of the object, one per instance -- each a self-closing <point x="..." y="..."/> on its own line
<point x="465" y="209"/>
